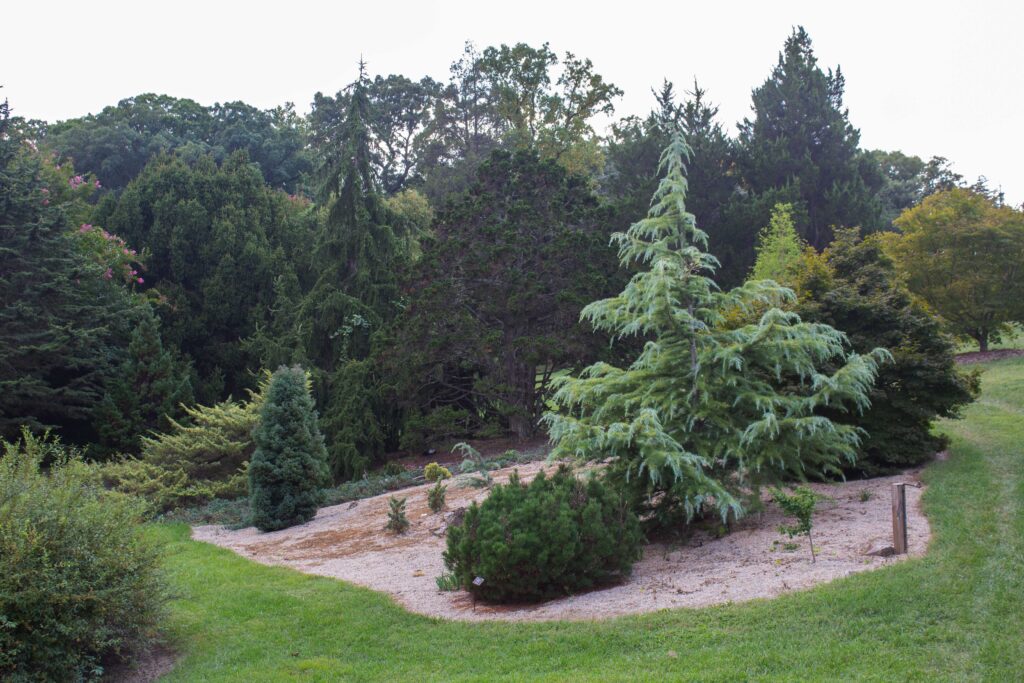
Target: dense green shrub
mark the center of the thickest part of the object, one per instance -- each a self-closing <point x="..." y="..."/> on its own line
<point x="858" y="290"/>
<point x="435" y="497"/>
<point x="147" y="391"/>
<point x="397" y="521"/>
<point x="79" y="587"/>
<point x="435" y="472"/>
<point x="552" y="537"/>
<point x="289" y="467"/>
<point x="213" y="443"/>
<point x="165" y="489"/>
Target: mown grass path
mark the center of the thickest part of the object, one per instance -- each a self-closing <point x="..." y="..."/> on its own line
<point x="956" y="614"/>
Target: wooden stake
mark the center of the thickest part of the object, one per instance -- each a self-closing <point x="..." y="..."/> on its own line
<point x="899" y="518"/>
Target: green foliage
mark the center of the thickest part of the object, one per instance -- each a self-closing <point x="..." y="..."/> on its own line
<point x="552" y="537"/>
<point x="434" y="472"/>
<point x="439" y="424"/>
<point x="447" y="582"/>
<point x="436" y="496"/>
<point x="856" y="288"/>
<point x="213" y="442"/>
<point x="800" y="146"/>
<point x="63" y="325"/>
<point x="397" y="521"/>
<point x="779" y="248"/>
<point x="118" y="142"/>
<point x="800" y="505"/>
<point x="148" y="391"/>
<point x="493" y="313"/>
<point x="79" y="587"/>
<point x="166" y="489"/>
<point x="218" y="239"/>
<point x="289" y="466"/>
<point x="705" y="413"/>
<point x="392" y="468"/>
<point x="961" y="251"/>
<point x="357" y="419"/>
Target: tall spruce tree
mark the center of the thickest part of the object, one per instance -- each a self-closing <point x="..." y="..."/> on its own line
<point x="705" y="411"/>
<point x="800" y="147"/>
<point x="359" y="259"/>
<point x="62" y="325"/>
<point x="146" y="392"/>
<point x="289" y="466"/>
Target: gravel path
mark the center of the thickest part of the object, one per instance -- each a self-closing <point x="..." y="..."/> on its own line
<point x="348" y="542"/>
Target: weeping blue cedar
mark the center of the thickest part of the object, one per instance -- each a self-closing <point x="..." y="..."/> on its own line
<point x="706" y="413"/>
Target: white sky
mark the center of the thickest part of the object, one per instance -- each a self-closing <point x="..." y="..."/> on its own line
<point x="928" y="78"/>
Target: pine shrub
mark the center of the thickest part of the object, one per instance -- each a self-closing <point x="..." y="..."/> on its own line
<point x="435" y="497"/>
<point x="397" y="521"/>
<point x="79" y="586"/>
<point x="289" y="466"/>
<point x="435" y="472"/>
<point x="552" y="537"/>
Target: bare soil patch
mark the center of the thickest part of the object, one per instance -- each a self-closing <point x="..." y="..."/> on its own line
<point x="148" y="666"/>
<point x="348" y="541"/>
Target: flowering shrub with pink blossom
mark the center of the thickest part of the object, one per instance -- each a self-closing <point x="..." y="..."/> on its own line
<point x="113" y="252"/>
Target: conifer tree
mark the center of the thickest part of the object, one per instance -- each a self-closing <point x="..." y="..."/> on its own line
<point x="62" y="325"/>
<point x="801" y="147"/>
<point x="705" y="411"/>
<point x="147" y="391"/>
<point x="779" y="248"/>
<point x="289" y="466"/>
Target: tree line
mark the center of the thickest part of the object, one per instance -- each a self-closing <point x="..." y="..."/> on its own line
<point x="424" y="249"/>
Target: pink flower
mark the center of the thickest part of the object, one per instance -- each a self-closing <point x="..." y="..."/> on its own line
<point x="97" y="184"/>
<point x="126" y="252"/>
<point x="45" y="191"/>
<point x="140" y="280"/>
<point x="109" y="274"/>
<point x="86" y="227"/>
<point x="46" y="202"/>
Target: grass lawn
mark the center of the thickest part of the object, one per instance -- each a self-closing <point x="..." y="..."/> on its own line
<point x="956" y="614"/>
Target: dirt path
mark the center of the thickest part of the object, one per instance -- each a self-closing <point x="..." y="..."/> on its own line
<point x="348" y="542"/>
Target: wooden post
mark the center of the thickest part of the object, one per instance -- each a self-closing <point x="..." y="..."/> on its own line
<point x="899" y="518"/>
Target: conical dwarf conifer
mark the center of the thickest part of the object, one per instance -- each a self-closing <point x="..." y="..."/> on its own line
<point x="289" y="466"/>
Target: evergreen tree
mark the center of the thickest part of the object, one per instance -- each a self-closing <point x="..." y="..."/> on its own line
<point x="494" y="313"/>
<point x="800" y="146"/>
<point x="217" y="238"/>
<point x="146" y="392"/>
<point x="62" y="324"/>
<point x="779" y="249"/>
<point x="859" y="291"/>
<point x="705" y="411"/>
<point x="289" y="466"/>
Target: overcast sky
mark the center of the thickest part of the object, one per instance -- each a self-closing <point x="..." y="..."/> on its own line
<point x="928" y="78"/>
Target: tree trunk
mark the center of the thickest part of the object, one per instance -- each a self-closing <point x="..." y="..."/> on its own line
<point x="982" y="339"/>
<point x="522" y="382"/>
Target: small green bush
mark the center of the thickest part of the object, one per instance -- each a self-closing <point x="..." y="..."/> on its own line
<point x="447" y="582"/>
<point x="434" y="472"/>
<point x="800" y="505"/>
<point x="289" y="466"/>
<point x="436" y="496"/>
<point x="552" y="537"/>
<point x="79" y="586"/>
<point x="392" y="469"/>
<point x="397" y="521"/>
